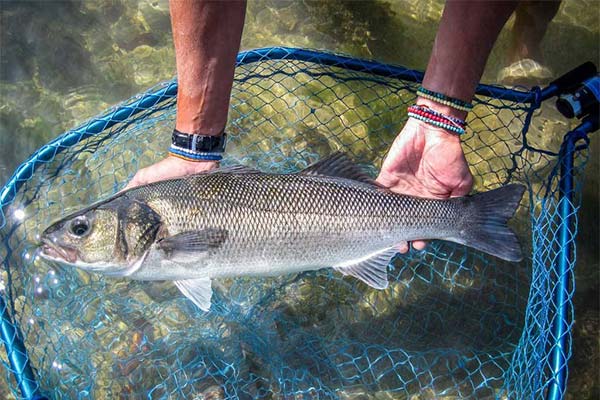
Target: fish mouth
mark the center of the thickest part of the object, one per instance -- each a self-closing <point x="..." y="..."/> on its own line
<point x="52" y="251"/>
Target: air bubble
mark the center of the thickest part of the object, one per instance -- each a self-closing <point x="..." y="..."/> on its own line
<point x="19" y="214"/>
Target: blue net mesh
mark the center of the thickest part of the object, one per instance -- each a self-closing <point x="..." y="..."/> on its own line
<point x="454" y="323"/>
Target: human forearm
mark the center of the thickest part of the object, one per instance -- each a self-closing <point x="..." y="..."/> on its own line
<point x="425" y="159"/>
<point x="467" y="33"/>
<point x="207" y="37"/>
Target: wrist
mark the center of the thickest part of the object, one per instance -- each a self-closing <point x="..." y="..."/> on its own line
<point x="441" y="108"/>
<point x="193" y="164"/>
<point x="200" y="115"/>
<point x="197" y="147"/>
<point x="184" y="167"/>
<point x="197" y="125"/>
<point x="437" y="119"/>
<point x="431" y="133"/>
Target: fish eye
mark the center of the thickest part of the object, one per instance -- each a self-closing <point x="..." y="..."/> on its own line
<point x="80" y="226"/>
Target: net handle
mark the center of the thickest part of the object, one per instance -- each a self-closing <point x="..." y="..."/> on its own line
<point x="567" y="231"/>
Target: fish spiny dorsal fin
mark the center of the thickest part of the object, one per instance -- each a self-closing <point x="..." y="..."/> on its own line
<point x="339" y="165"/>
<point x="237" y="169"/>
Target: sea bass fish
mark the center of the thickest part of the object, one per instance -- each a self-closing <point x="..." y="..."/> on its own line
<point x="238" y="221"/>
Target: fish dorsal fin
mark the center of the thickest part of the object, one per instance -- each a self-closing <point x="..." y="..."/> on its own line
<point x="372" y="269"/>
<point x="236" y="169"/>
<point x="197" y="290"/>
<point x="339" y="165"/>
<point x="229" y="169"/>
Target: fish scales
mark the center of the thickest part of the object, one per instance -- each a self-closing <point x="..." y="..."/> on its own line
<point x="284" y="220"/>
<point x="240" y="222"/>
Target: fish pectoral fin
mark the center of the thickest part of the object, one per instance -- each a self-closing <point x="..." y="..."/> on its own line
<point x="193" y="241"/>
<point x="372" y="269"/>
<point x="339" y="165"/>
<point x="197" y="290"/>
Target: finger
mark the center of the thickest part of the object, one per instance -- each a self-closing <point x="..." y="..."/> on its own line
<point x="132" y="183"/>
<point x="460" y="192"/>
<point x="464" y="188"/>
<point x="138" y="179"/>
<point x="419" y="245"/>
<point x="402" y="247"/>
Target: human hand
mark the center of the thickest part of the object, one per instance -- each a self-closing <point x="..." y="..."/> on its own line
<point x="425" y="161"/>
<point x="168" y="168"/>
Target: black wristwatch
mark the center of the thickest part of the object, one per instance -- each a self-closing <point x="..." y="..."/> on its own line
<point x="199" y="143"/>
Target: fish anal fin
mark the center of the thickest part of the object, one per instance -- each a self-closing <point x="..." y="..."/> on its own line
<point x="372" y="269"/>
<point x="339" y="165"/>
<point x="197" y="290"/>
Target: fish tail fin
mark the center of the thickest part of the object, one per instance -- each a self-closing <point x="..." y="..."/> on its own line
<point x="487" y="228"/>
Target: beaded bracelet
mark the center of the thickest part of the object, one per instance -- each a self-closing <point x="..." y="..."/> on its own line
<point x="417" y="108"/>
<point x="445" y="100"/>
<point x="197" y="147"/>
<point x="188" y="155"/>
<point x="440" y="120"/>
<point x="452" y="128"/>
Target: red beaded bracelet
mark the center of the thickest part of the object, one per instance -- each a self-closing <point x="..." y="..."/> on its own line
<point x="437" y="119"/>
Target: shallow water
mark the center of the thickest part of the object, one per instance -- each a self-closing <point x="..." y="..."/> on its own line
<point x="63" y="62"/>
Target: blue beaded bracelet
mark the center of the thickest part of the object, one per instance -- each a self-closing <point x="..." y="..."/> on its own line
<point x="194" y="156"/>
<point x="448" y="127"/>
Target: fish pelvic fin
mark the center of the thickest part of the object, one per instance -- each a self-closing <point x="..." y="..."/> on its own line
<point x="372" y="269"/>
<point x="487" y="230"/>
<point x="197" y="290"/>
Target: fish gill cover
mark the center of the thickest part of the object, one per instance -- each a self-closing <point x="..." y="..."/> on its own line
<point x="453" y="323"/>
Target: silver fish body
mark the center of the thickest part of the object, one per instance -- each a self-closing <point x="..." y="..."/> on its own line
<point x="276" y="224"/>
<point x="241" y="222"/>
